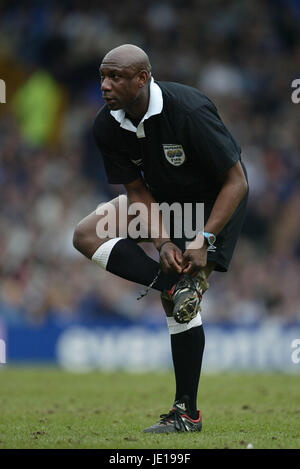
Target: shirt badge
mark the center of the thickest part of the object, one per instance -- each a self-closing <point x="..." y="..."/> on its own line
<point x="174" y="153"/>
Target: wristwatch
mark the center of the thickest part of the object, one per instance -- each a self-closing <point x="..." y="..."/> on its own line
<point x="210" y="238"/>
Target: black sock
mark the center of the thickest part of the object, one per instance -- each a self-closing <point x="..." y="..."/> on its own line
<point x="129" y="261"/>
<point x="187" y="351"/>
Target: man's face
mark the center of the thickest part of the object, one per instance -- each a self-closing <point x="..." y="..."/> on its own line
<point x="119" y="84"/>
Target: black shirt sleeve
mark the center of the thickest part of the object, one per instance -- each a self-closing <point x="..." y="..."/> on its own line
<point x="211" y="141"/>
<point x="119" y="169"/>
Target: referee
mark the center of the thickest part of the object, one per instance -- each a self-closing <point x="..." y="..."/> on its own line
<point x="165" y="142"/>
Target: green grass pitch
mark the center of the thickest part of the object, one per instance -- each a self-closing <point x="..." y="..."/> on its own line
<point x="50" y="408"/>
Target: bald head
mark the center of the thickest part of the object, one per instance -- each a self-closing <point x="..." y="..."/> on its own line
<point x="128" y="55"/>
<point x="125" y="79"/>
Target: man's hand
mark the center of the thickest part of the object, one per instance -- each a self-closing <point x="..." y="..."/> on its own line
<point x="195" y="256"/>
<point x="194" y="260"/>
<point x="170" y="258"/>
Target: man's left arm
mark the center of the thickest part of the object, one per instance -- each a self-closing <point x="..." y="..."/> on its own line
<point x="233" y="190"/>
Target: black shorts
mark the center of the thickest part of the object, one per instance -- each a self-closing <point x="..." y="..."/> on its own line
<point x="222" y="251"/>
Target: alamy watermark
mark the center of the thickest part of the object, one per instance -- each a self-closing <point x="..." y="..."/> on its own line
<point x="296" y="353"/>
<point x="296" y="93"/>
<point x="2" y="352"/>
<point x="139" y="221"/>
<point x="2" y="92"/>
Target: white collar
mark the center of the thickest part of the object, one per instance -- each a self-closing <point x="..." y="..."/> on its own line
<point x="155" y="107"/>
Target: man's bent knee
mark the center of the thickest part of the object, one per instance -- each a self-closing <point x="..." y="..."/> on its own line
<point x="101" y="225"/>
<point x="78" y="238"/>
<point x="85" y="241"/>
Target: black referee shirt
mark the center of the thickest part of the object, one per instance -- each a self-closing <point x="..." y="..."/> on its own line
<point x="182" y="154"/>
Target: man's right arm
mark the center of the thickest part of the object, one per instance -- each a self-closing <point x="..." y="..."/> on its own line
<point x="138" y="192"/>
<point x="170" y="254"/>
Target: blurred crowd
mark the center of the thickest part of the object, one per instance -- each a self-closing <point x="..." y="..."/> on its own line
<point x="244" y="55"/>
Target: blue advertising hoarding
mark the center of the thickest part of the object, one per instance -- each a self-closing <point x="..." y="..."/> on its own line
<point x="115" y="345"/>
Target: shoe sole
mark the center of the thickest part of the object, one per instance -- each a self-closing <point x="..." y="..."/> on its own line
<point x="162" y="429"/>
<point x="186" y="310"/>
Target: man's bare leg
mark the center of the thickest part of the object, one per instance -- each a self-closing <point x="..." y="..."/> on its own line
<point x="119" y="255"/>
